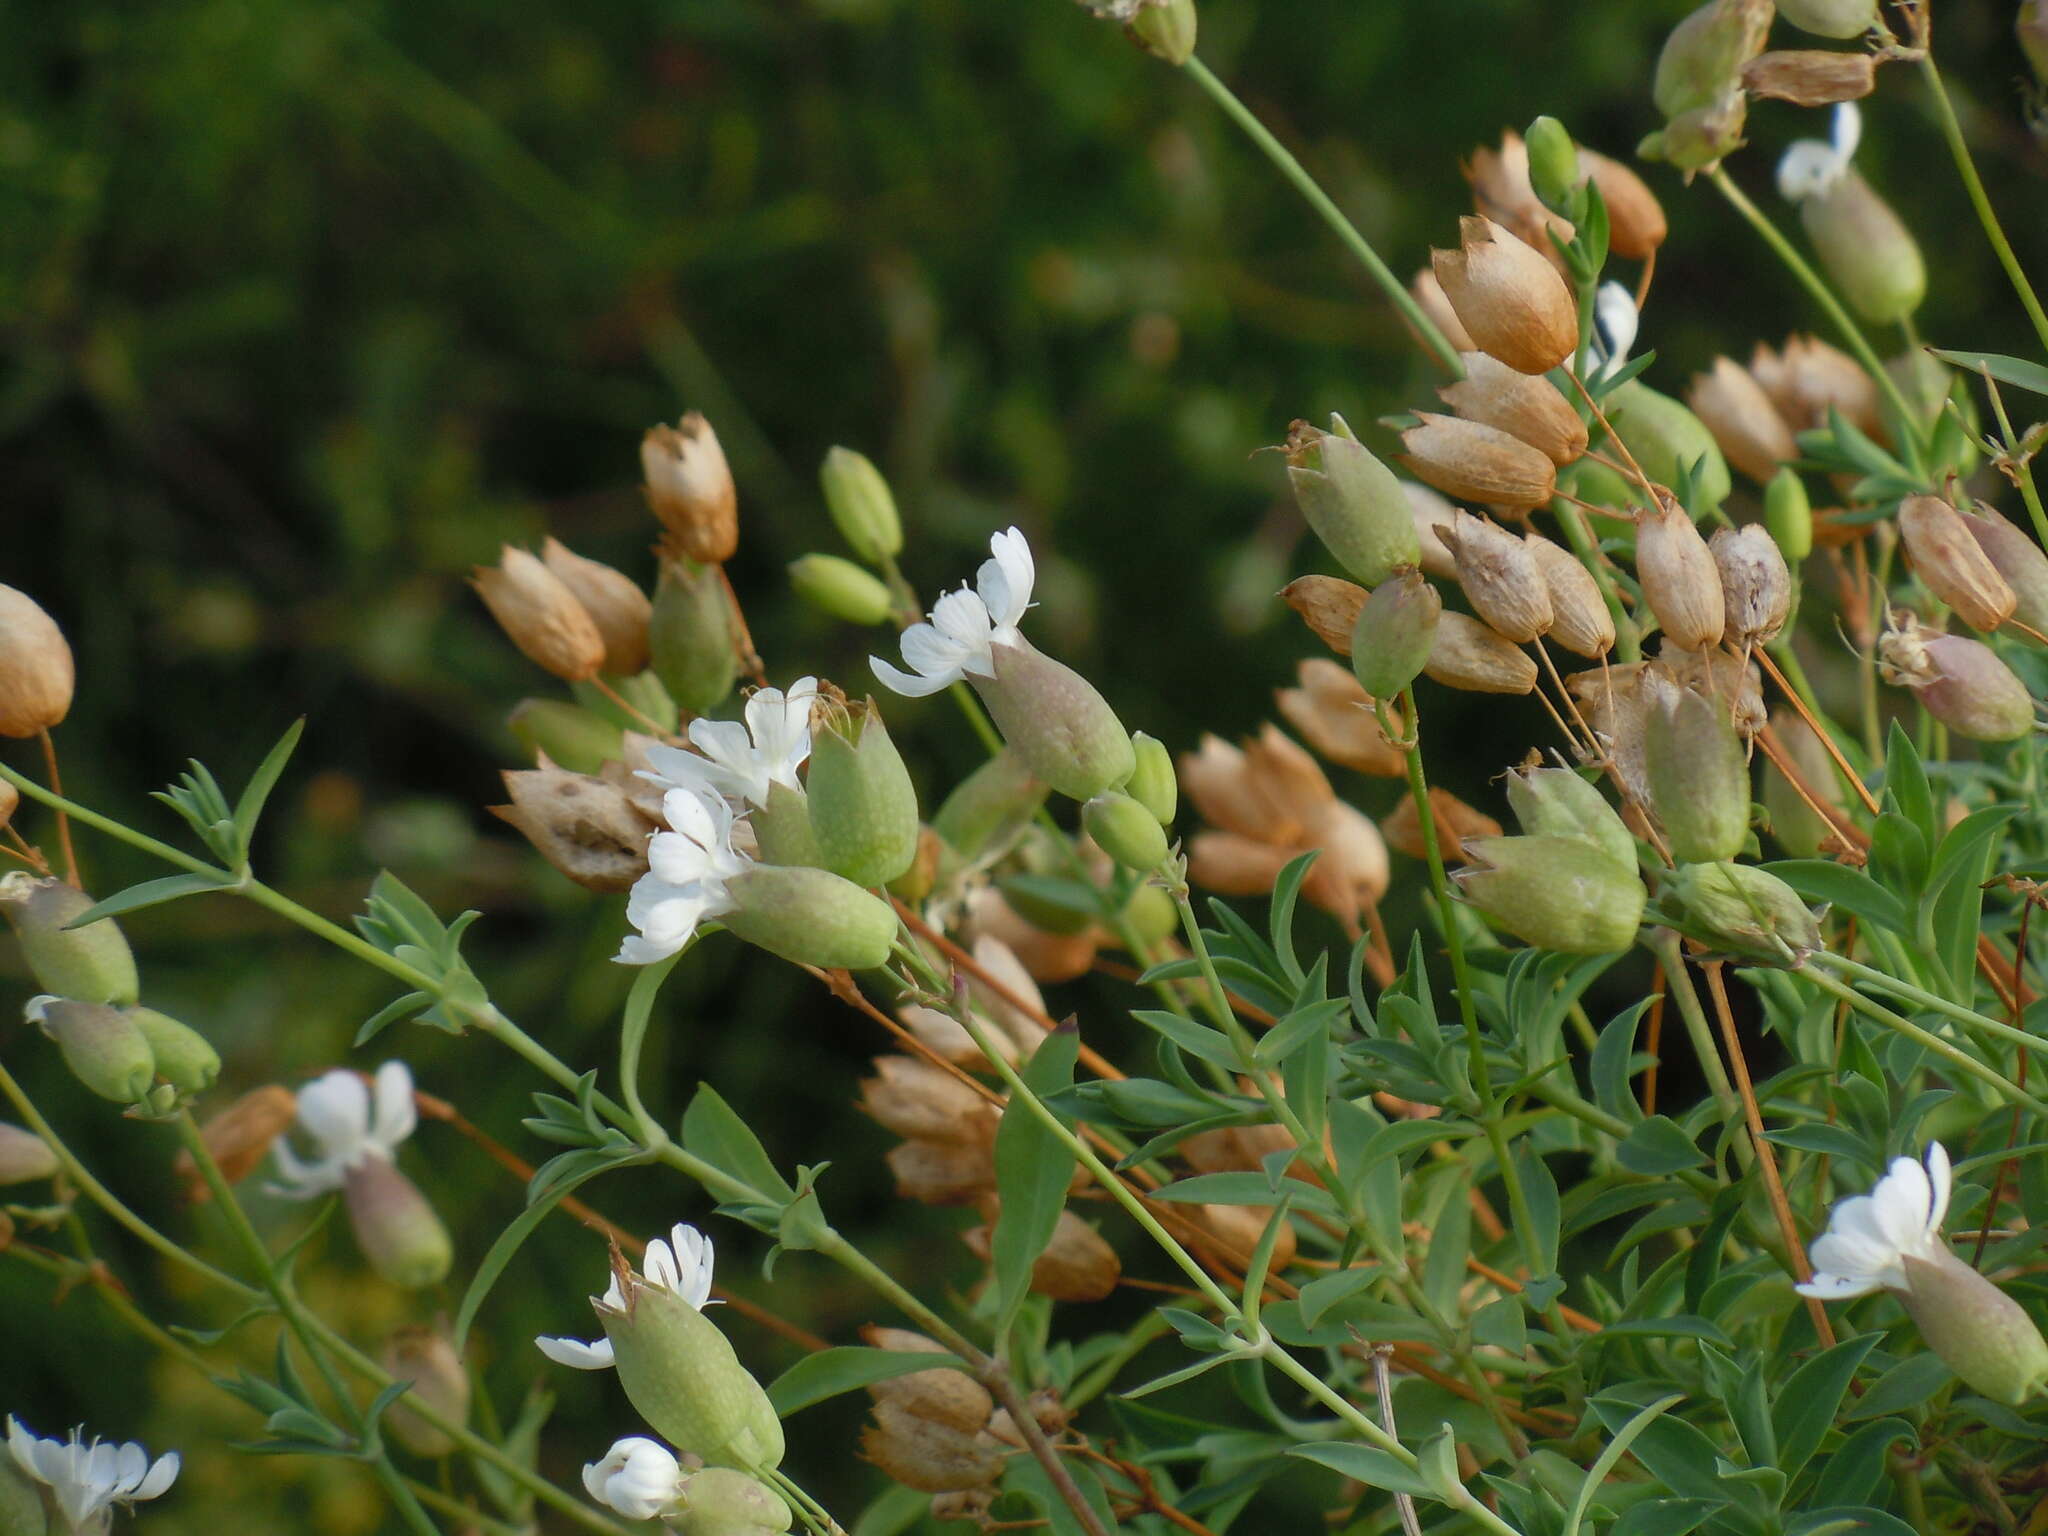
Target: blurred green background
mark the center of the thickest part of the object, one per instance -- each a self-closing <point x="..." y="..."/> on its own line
<point x="308" y="307"/>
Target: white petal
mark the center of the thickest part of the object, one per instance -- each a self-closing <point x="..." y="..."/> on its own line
<point x="131" y="1463"/>
<point x="1903" y="1199"/>
<point x="930" y="649"/>
<point x="898" y="681"/>
<point x="335" y="1110"/>
<point x="694" y="1261"/>
<point x="1615" y="321"/>
<point x="160" y="1477"/>
<point x="1941" y="1178"/>
<point x="1841" y="1254"/>
<point x="658" y="1267"/>
<point x="1847" y="130"/>
<point x="1827" y="1287"/>
<point x="21" y="1444"/>
<point x="396" y="1116"/>
<point x="634" y="950"/>
<point x="595" y="1355"/>
<point x="1809" y="167"/>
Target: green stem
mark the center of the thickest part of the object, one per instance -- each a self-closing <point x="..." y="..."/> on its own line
<point x="1432" y="338"/>
<point x="1962" y="1060"/>
<point x="633" y="1035"/>
<point x="2023" y="465"/>
<point x="1959" y="149"/>
<point x="1933" y="1002"/>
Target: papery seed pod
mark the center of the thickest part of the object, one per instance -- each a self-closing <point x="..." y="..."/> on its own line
<point x="1701" y="136"/>
<point x="1553" y="160"/>
<point x="395" y="1226"/>
<point x="1076" y="1264"/>
<point x="1431" y="512"/>
<point x="1667" y="439"/>
<point x="10" y="802"/>
<point x="1557" y="893"/>
<point x="568" y="734"/>
<point x="1748" y="912"/>
<point x="919" y="1102"/>
<point x="1512" y="302"/>
<point x="1504" y="191"/>
<point x="1477" y="463"/>
<point x="1698" y="776"/>
<point x="863" y="807"/>
<point x="947" y="1038"/>
<point x="1959" y="681"/>
<point x="1811" y="77"/>
<point x="1808" y="378"/>
<point x="1125" y="830"/>
<point x="2018" y="559"/>
<point x="1865" y="247"/>
<point x="426" y="1360"/>
<point x="1980" y="1333"/>
<point x="724" y="1501"/>
<point x="988" y="807"/>
<point x="1045" y="956"/>
<point x="1636" y="226"/>
<point x="1351" y="500"/>
<point x="942" y="1396"/>
<point x="1353" y="868"/>
<point x="1470" y="656"/>
<point x="24" y="1156"/>
<point x="1287" y="776"/>
<point x="587" y="828"/>
<point x="1531" y="409"/>
<point x="1744" y="422"/>
<point x="1704" y="54"/>
<point x="1579" y="617"/>
<point x="1680" y="581"/>
<point x="680" y="1372"/>
<point x="1218" y="778"/>
<point x="1501" y="579"/>
<point x="1951" y="563"/>
<point x="1166" y="29"/>
<point x="862" y="506"/>
<point x="37" y="676"/>
<point x="1735" y="685"/>
<point x="840" y="588"/>
<point x="1007" y="990"/>
<point x="540" y="615"/>
<point x="1428" y="294"/>
<point x="1396" y="629"/>
<point x="1756" y="587"/>
<point x="1334" y="715"/>
<point x="1234" y="1149"/>
<point x="690" y="636"/>
<point x="1152" y="782"/>
<point x="1056" y="721"/>
<point x="690" y="489"/>
<point x="239" y="1138"/>
<point x="184" y="1058"/>
<point x="811" y="917"/>
<point x="1615" y="701"/>
<point x="1798" y="828"/>
<point x="93" y="963"/>
<point x="1232" y="864"/>
<point x="929" y="1456"/>
<point x="1830" y="18"/>
<point x="1557" y="802"/>
<point x="613" y="600"/>
<point x="1455" y="822"/>
<point x="1238" y="1229"/>
<point x="1328" y="606"/>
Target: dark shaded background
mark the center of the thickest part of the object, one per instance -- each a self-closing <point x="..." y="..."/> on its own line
<point x="307" y="307"/>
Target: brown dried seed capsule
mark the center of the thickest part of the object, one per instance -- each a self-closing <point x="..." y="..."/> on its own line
<point x="1512" y="301"/>
<point x="1428" y="294"/>
<point x="1679" y="579"/>
<point x="1329" y="607"/>
<point x="613" y="600"/>
<point x="1478" y="463"/>
<point x="10" y="802"/>
<point x="36" y="673"/>
<point x="943" y="1396"/>
<point x="1218" y="780"/>
<point x="1579" y="618"/>
<point x="1615" y="701"/>
<point x="1501" y="578"/>
<point x="1235" y="1149"/>
<point x="540" y="615"/>
<point x="585" y="826"/>
<point x="1495" y="395"/>
<point x="1470" y="656"/>
<point x="1432" y="511"/>
<point x="920" y="1102"/>
<point x="1232" y="864"/>
<point x="1501" y="191"/>
<point x="942" y="1172"/>
<point x="1353" y="868"/>
<point x="2019" y="561"/>
<point x="1238" y="1229"/>
<point x="1335" y="716"/>
<point x="1635" y="219"/>
<point x="690" y="489"/>
<point x="930" y="1457"/>
<point x="1742" y="418"/>
<point x="1077" y="1265"/>
<point x="1455" y="821"/>
<point x="1808" y="378"/>
<point x="1810" y="77"/>
<point x="1952" y="564"/>
<point x="1718" y="674"/>
<point x="1286" y="775"/>
<point x="1046" y="956"/>
<point x="1756" y="586"/>
<point x="239" y="1137"/>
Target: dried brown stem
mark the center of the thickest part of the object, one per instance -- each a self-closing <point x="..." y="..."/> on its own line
<point x="1849" y="775"/>
<point x="63" y="821"/>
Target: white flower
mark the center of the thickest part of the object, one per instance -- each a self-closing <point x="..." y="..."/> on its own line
<point x="966" y="626"/>
<point x="687" y="867"/>
<point x="350" y="1123"/>
<point x="1810" y="167"/>
<point x="1870" y="1236"/>
<point x="638" y="1477"/>
<point x="741" y="762"/>
<point x="1615" y="321"/>
<point x="89" y="1477"/>
<point x="682" y="1265"/>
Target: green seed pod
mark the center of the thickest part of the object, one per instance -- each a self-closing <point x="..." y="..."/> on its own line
<point x="24" y="1156"/>
<point x="863" y="805"/>
<point x="1830" y="18"/>
<point x="1960" y="681"/>
<point x="811" y="917"/>
<point x="1798" y="828"/>
<point x="690" y="636"/>
<point x="1152" y="914"/>
<point x="92" y="964"/>
<point x="723" y="1501"/>
<point x="1703" y="57"/>
<point x="1789" y="515"/>
<point x="1125" y="830"/>
<point x="1553" y="161"/>
<point x="428" y="1361"/>
<point x="837" y="586"/>
<point x="1153" y="784"/>
<point x="101" y="1046"/>
<point x="1981" y="1333"/>
<point x="1748" y="911"/>
<point x="1665" y="437"/>
<point x="184" y="1059"/>
<point x="21" y="1502"/>
<point x="681" y="1374"/>
<point x="395" y="1227"/>
<point x="1054" y="720"/>
<point x="1395" y="634"/>
<point x="782" y="828"/>
<point x="988" y="807"/>
<point x="1166" y="29"/>
<point x="862" y="506"/>
<point x="570" y="736"/>
<point x="1698" y="776"/>
<point x="1866" y="249"/>
<point x="1352" y="501"/>
<point x="1556" y="802"/>
<point x="1557" y="893"/>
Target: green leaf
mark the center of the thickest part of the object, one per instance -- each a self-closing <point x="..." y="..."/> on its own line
<point x="1906" y="1385"/>
<point x="1856" y="1470"/>
<point x="1614" y="1061"/>
<point x="151" y="893"/>
<point x="1676" y="1454"/>
<point x="1829" y="1140"/>
<point x="1610" y="1457"/>
<point x="1309" y="1023"/>
<point x="1033" y="1169"/>
<point x="1658" y="1146"/>
<point x="712" y="1131"/>
<point x="398" y="1008"/>
<point x="254" y="795"/>
<point x="1666" y="1328"/>
<point x="830" y="1372"/>
<point x="1850" y="889"/>
<point x="1870" y="1522"/>
<point x="1905" y="780"/>
<point x="1664" y="1517"/>
<point x="1196" y="1039"/>
<point x="2016" y="371"/>
<point x="1540" y="1190"/>
<point x="1326" y="1291"/>
<point x="1365" y="1464"/>
<point x="1280" y="924"/>
<point x="1809" y="1398"/>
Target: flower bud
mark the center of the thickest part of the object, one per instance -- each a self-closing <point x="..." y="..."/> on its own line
<point x="540" y="615"/>
<point x="1501" y="580"/>
<point x="1456" y="824"/>
<point x="1477" y="463"/>
<point x="569" y="735"/>
<point x="92" y="963"/>
<point x="1152" y="782"/>
<point x="862" y="506"/>
<point x="1789" y="515"/>
<point x="1667" y="439"/>
<point x="690" y="638"/>
<point x="1953" y="565"/>
<point x="811" y="917"/>
<point x="1959" y="681"/>
<point x="680" y="1372"/>
<point x="724" y="1501"/>
<point x="1743" y="421"/>
<point x="1748" y="912"/>
<point x="24" y="1156"/>
<point x="927" y="1455"/>
<point x="239" y="1138"/>
<point x="1703" y="57"/>
<point x="988" y="807"/>
<point x="863" y="808"/>
<point x="1335" y="716"/>
<point x="36" y="673"/>
<point x="100" y="1044"/>
<point x="689" y="488"/>
<point x="1054" y="720"/>
<point x="1698" y="777"/>
<point x="919" y="1102"/>
<point x="1351" y="500"/>
<point x="945" y="1172"/>
<point x="613" y="600"/>
<point x="1531" y="409"/>
<point x="1680" y="580"/>
<point x="1512" y="302"/>
<point x="1165" y="29"/>
<point x="1150" y="915"/>
<point x="1579" y="616"/>
<point x="2018" y="559"/>
<point x="184" y="1057"/>
<point x="840" y="588"/>
<point x="427" y="1361"/>
<point x="1468" y="655"/>
<point x="1756" y="587"/>
<point x="1397" y="629"/>
<point x="1557" y="893"/>
<point x="1125" y="830"/>
<point x="1830" y="18"/>
<point x="1553" y="161"/>
<point x="1556" y="802"/>
<point x="1811" y="77"/>
<point x="1981" y="1333"/>
<point x="1635" y="219"/>
<point x="1871" y="255"/>
<point x="1428" y="294"/>
<point x="395" y="1226"/>
<point x="1328" y="606"/>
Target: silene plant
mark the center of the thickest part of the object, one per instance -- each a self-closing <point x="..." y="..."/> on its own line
<point x="1362" y="1226"/>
